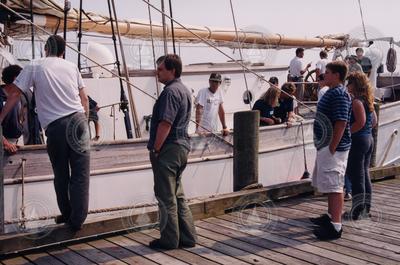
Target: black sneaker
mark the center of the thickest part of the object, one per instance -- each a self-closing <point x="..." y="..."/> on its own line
<point x="347" y="196"/>
<point x="349" y="216"/>
<point x="322" y="220"/>
<point x="327" y="232"/>
<point x="365" y="214"/>
<point x="60" y="219"/>
<point x="73" y="227"/>
<point x="156" y="244"/>
<point x="187" y="245"/>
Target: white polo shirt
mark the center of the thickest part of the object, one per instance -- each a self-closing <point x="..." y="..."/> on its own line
<point x="296" y="66"/>
<point x="56" y="84"/>
<point x="321" y="65"/>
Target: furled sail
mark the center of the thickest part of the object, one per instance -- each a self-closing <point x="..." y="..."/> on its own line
<point x="49" y="15"/>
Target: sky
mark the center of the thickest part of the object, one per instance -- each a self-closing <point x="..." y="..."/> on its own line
<point x="307" y="18"/>
<point x="300" y="18"/>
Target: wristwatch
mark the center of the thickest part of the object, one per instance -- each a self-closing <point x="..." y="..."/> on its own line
<point x="154" y="151"/>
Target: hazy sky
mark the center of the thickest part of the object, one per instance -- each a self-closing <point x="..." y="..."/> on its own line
<point x="307" y="18"/>
<point x="297" y="18"/>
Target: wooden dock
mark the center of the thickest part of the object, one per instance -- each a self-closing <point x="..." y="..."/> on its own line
<point x="270" y="233"/>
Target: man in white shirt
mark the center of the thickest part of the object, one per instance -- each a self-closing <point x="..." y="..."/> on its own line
<point x="209" y="105"/>
<point x="297" y="69"/>
<point x="61" y="103"/>
<point x="322" y="87"/>
<point x="320" y="66"/>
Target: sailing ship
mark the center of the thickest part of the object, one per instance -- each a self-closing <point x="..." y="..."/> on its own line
<point x="121" y="173"/>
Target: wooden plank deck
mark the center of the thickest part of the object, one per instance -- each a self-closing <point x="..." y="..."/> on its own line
<point x="271" y="233"/>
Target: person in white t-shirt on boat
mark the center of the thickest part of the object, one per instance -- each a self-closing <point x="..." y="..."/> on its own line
<point x="297" y="69"/>
<point x="209" y="106"/>
<point x="320" y="66"/>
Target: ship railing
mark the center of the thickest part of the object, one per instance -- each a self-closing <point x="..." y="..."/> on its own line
<point x="112" y="115"/>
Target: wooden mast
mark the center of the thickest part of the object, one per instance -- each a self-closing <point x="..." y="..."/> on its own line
<point x="224" y="37"/>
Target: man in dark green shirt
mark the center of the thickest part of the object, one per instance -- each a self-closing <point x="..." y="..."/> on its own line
<point x="169" y="147"/>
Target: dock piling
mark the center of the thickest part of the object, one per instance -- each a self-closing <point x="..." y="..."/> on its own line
<point x="245" y="148"/>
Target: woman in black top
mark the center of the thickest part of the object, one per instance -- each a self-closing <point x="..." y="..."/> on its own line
<point x="266" y="105"/>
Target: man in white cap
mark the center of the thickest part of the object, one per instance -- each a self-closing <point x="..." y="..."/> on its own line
<point x="209" y="105"/>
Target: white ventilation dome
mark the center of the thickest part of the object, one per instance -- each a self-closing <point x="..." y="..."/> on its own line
<point x="7" y="56"/>
<point x="101" y="55"/>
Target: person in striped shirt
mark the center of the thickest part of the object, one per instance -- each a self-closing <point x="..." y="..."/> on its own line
<point x="333" y="140"/>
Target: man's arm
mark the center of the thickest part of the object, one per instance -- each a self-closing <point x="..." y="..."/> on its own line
<point x="317" y="73"/>
<point x="12" y="98"/>
<point x="291" y="116"/>
<point x="199" y="114"/>
<point x="338" y="130"/>
<point x="268" y="121"/>
<point x="221" y="114"/>
<point x="84" y="100"/>
<point x="163" y="130"/>
<point x="305" y="69"/>
<point x="9" y="147"/>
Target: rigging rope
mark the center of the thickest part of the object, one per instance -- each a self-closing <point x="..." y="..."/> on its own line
<point x="240" y="52"/>
<point x="111" y="72"/>
<point x="152" y="48"/>
<point x="212" y="45"/>
<point x="362" y="19"/>
<point x="130" y="94"/>
<point x="125" y="80"/>
<point x="172" y="27"/>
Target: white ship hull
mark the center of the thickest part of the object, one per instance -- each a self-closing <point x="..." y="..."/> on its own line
<point x="121" y="173"/>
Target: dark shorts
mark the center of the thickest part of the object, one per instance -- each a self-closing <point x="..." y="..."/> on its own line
<point x="93" y="116"/>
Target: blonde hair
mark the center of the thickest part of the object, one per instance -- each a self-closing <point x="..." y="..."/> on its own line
<point x="362" y="88"/>
<point x="271" y="96"/>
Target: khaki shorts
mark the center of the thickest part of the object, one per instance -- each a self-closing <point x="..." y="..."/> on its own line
<point x="329" y="170"/>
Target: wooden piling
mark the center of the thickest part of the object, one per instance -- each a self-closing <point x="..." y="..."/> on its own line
<point x="245" y="148"/>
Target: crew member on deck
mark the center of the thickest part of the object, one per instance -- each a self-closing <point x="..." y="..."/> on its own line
<point x="209" y="105"/>
<point x="93" y="109"/>
<point x="297" y="69"/>
<point x="169" y="147"/>
<point x="320" y="66"/>
<point x="364" y="61"/>
<point x="352" y="63"/>
<point x="61" y="101"/>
